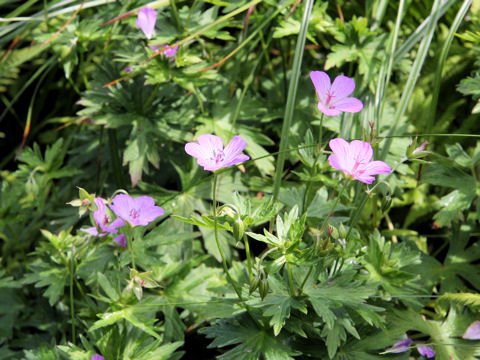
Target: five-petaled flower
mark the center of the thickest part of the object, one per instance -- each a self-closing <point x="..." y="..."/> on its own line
<point x="210" y="153"/>
<point x="105" y="223"/>
<point x="334" y="97"/>
<point x="355" y="160"/>
<point x="136" y="211"/>
<point x="146" y="21"/>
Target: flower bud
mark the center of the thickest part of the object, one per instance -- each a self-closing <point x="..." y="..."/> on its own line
<point x="386" y="203"/>
<point x="342" y="233"/>
<point x="263" y="288"/>
<point x="254" y="284"/>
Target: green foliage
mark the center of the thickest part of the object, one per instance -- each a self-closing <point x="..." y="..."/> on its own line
<point x="333" y="269"/>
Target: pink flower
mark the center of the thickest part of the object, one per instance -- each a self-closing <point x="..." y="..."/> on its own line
<point x="210" y="153"/>
<point x="426" y="351"/>
<point x="169" y="53"/>
<point x="473" y="331"/>
<point x="138" y="211"/>
<point x="146" y="21"/>
<point x="104" y="222"/>
<point x="334" y="97"/>
<point x="400" y="346"/>
<point x="354" y="159"/>
<point x="404" y="345"/>
<point x="97" y="357"/>
<point x="420" y="148"/>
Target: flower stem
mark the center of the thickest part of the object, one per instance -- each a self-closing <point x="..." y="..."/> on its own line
<point x="314" y="167"/>
<point x="72" y="306"/>
<point x="222" y="255"/>
<point x="130" y="246"/>
<point x="249" y="258"/>
<point x="332" y="210"/>
<point x="320" y="135"/>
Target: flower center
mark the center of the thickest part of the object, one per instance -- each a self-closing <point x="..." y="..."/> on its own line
<point x="218" y="156"/>
<point x="106" y="219"/>
<point x="330" y="95"/>
<point x="134" y="214"/>
<point x="355" y="167"/>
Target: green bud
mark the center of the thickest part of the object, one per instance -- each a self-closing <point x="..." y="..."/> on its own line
<point x="239" y="228"/>
<point x="263" y="288"/>
<point x="386" y="203"/>
<point x="342" y="233"/>
<point x="138" y="291"/>
<point x="254" y="284"/>
<point x="333" y="232"/>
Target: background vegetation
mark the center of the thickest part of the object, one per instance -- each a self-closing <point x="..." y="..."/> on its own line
<point x="400" y="260"/>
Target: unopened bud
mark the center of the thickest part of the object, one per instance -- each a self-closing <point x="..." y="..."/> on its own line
<point x="263" y="288"/>
<point x="254" y="284"/>
<point x="342" y="233"/>
<point x="386" y="203"/>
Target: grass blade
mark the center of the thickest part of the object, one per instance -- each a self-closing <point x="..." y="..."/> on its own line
<point x="292" y="93"/>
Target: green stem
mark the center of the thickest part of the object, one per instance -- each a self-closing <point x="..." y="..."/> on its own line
<point x="332" y="210"/>
<point x="130" y="246"/>
<point x="222" y="255"/>
<point x="314" y="166"/>
<point x="320" y="135"/>
<point x="249" y="258"/>
<point x="292" y="94"/>
<point x="354" y="220"/>
<point x="72" y="305"/>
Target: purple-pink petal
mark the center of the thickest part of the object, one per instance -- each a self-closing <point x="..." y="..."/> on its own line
<point x="341" y="149"/>
<point x="342" y="87"/>
<point x="354" y="159"/>
<point x="121" y="240"/>
<point x="211" y="142"/>
<point x="361" y="151"/>
<point x="335" y="162"/>
<point x="97" y="357"/>
<point x="112" y="228"/>
<point x="350" y="104"/>
<point x="170" y="53"/>
<point x="401" y="346"/>
<point x="328" y="110"/>
<point x="211" y="155"/>
<point x="426" y="351"/>
<point x="121" y="206"/>
<point x="197" y="151"/>
<point x="143" y="202"/>
<point x="365" y="178"/>
<point x="100" y="215"/>
<point x="146" y="21"/>
<point x="234" y="148"/>
<point x="138" y="211"/>
<point x="377" y="167"/>
<point x="237" y="160"/>
<point x="473" y="331"/>
<point x="321" y="82"/>
<point x="91" y="231"/>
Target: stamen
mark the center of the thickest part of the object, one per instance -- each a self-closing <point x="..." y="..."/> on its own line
<point x="134" y="213"/>
<point x="218" y="156"/>
<point x="330" y="95"/>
